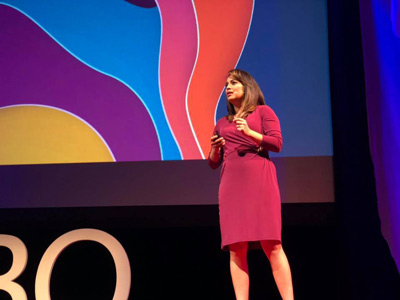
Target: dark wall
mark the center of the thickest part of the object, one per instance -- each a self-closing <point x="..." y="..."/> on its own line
<point x="140" y="183"/>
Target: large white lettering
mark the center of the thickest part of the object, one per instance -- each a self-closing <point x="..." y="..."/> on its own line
<point x="122" y="266"/>
<point x="43" y="276"/>
<point x="20" y="258"/>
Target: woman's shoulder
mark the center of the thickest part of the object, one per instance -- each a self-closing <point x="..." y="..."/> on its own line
<point x="222" y="120"/>
<point x="265" y="109"/>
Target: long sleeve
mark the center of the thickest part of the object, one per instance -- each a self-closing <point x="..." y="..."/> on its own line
<point x="272" y="136"/>
<point x="215" y="164"/>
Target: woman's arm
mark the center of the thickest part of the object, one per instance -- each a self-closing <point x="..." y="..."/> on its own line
<point x="271" y="139"/>
<point x="215" y="157"/>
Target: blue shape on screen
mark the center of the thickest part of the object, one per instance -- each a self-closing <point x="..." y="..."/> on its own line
<point x="221" y="109"/>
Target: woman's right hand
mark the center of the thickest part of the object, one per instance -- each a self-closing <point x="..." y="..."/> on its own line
<point x="217" y="142"/>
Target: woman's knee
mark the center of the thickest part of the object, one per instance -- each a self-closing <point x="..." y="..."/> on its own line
<point x="238" y="249"/>
<point x="271" y="247"/>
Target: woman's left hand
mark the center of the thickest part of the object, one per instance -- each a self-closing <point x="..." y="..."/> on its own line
<point x="241" y="125"/>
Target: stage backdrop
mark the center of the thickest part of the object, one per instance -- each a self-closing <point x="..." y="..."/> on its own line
<point x="142" y="81"/>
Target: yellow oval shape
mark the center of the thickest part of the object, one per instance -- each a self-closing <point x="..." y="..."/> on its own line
<point x="31" y="134"/>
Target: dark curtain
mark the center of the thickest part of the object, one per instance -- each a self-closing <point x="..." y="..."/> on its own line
<point x="367" y="268"/>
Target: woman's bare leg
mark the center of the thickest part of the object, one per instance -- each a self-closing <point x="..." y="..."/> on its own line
<point x="239" y="270"/>
<point x="280" y="268"/>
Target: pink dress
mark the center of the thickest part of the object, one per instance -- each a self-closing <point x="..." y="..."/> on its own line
<point x="249" y="199"/>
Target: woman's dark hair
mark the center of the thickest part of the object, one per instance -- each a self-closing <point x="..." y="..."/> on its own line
<point x="253" y="95"/>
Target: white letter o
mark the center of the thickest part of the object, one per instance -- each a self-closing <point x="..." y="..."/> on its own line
<point x="122" y="266"/>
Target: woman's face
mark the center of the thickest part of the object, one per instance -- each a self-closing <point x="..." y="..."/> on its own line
<point x="234" y="91"/>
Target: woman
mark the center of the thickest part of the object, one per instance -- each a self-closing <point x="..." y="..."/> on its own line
<point x="249" y="199"/>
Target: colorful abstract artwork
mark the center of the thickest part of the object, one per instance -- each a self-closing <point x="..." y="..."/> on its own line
<point x="142" y="80"/>
<point x="101" y="81"/>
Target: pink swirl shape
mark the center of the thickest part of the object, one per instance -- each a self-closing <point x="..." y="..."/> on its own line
<point x="177" y="59"/>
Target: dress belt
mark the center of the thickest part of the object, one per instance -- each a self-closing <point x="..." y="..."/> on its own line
<point x="259" y="151"/>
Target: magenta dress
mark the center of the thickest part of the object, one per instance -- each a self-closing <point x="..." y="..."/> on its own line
<point x="249" y="199"/>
